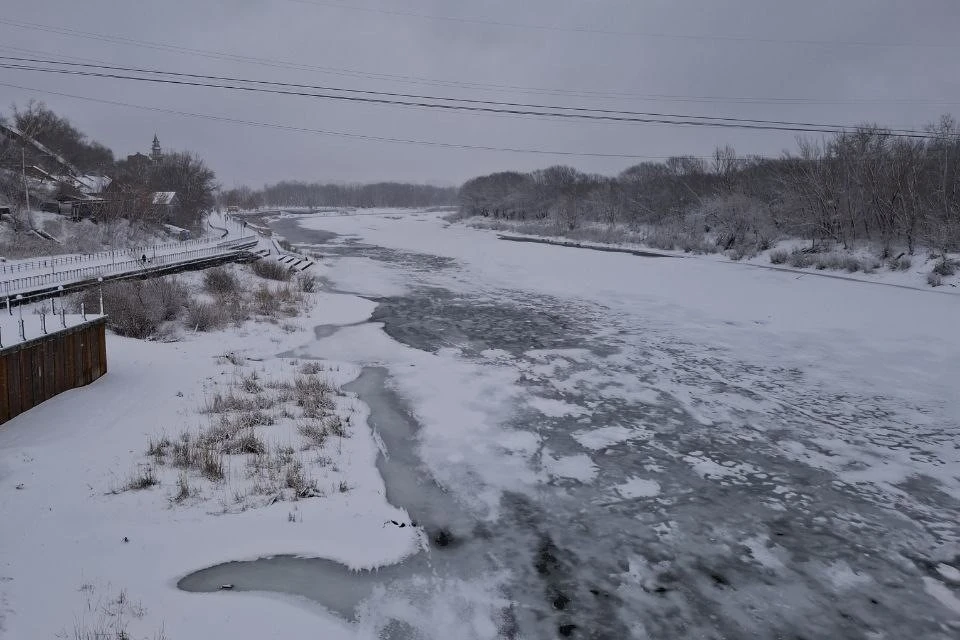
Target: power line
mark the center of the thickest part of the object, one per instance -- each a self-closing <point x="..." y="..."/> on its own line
<point x="673" y="120"/>
<point x="343" y="134"/>
<point x="580" y="93"/>
<point x="614" y="32"/>
<point x="431" y="97"/>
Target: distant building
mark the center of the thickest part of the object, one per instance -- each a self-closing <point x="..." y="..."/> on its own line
<point x="165" y="198"/>
<point x="156" y="153"/>
<point x="164" y="205"/>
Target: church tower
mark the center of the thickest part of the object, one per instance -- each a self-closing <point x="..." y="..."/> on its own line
<point x="156" y="154"/>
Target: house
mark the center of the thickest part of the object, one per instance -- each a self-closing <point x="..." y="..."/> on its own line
<point x="164" y="204"/>
<point x="165" y="199"/>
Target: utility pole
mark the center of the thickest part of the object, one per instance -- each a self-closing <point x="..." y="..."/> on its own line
<point x="26" y="189"/>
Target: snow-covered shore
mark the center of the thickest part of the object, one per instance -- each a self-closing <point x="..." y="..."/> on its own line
<point x="70" y="546"/>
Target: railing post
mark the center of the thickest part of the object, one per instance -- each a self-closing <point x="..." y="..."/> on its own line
<point x="100" y="280"/>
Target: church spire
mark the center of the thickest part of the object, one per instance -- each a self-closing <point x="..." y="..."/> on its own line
<point x="156" y="153"/>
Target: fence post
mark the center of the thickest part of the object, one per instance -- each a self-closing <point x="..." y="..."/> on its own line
<point x="100" y="280"/>
<point x="23" y="335"/>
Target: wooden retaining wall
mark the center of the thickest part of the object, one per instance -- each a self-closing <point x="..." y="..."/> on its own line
<point x="39" y="369"/>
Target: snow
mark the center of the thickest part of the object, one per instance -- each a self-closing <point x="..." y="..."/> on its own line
<point x="33" y="325"/>
<point x="639" y="488"/>
<point x="898" y="347"/>
<point x="577" y="467"/>
<point x="555" y="408"/>
<point x="69" y="453"/>
<point x="914" y="277"/>
<point x="163" y="197"/>
<point x="606" y="436"/>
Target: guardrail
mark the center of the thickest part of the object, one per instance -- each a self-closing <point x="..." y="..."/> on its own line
<point x="73" y="260"/>
<point x="27" y="284"/>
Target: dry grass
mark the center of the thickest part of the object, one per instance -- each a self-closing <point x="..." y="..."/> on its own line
<point x="239" y="427"/>
<point x="307" y="282"/>
<point x="142" y="478"/>
<point x="271" y="270"/>
<point x="314" y="431"/>
<point x="220" y="282"/>
<point x="779" y="256"/>
<point x="205" y="316"/>
<point x="900" y="263"/>
<point x="137" y="308"/>
<point x="945" y="267"/>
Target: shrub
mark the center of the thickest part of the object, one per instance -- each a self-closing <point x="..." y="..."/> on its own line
<point x="221" y="403"/>
<point x="800" y="259"/>
<point x="144" y="478"/>
<point x="251" y="383"/>
<point x="901" y="263"/>
<point x="945" y="267"/>
<point x="934" y="279"/>
<point x="271" y="270"/>
<point x="307" y="282"/>
<point x="295" y="479"/>
<point x="219" y="281"/>
<point x="313" y="395"/>
<point x="851" y="264"/>
<point x="314" y="431"/>
<point x="199" y="455"/>
<point x="158" y="449"/>
<point x="311" y="368"/>
<point x="336" y="427"/>
<point x="205" y="316"/>
<point x="137" y="308"/>
<point x="779" y="256"/>
<point x="247" y="442"/>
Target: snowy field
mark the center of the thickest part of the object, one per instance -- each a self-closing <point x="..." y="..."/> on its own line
<point x="596" y="445"/>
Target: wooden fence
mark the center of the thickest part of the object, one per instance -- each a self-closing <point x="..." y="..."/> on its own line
<point x="34" y="371"/>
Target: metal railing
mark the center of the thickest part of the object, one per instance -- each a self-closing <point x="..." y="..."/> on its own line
<point x="75" y="261"/>
<point x="27" y="284"/>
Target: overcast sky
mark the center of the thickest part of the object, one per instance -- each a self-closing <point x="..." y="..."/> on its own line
<point x="730" y="49"/>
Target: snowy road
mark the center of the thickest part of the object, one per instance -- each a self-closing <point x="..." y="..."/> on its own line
<point x="654" y="448"/>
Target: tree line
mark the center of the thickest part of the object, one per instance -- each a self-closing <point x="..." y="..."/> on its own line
<point x="866" y="184"/>
<point x="315" y="194"/>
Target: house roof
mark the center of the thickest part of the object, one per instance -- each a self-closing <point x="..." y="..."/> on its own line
<point x="164" y="197"/>
<point x="94" y="183"/>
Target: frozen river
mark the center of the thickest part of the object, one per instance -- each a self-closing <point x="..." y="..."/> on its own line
<point x="614" y="446"/>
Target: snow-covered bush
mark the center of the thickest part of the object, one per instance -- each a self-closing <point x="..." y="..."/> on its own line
<point x="271" y="270"/>
<point x="205" y="316"/>
<point x="220" y="281"/>
<point x="779" y="256"/>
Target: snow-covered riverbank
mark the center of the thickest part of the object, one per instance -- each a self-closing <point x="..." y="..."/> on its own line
<point x="71" y="547"/>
